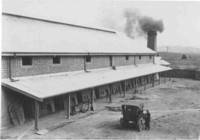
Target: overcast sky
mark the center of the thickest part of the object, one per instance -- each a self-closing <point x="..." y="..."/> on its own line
<point x="181" y="19"/>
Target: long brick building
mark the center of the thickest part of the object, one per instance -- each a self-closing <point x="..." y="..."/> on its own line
<point x="48" y="66"/>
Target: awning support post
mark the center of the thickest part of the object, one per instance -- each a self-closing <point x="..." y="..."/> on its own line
<point x="152" y="80"/>
<point x="159" y="78"/>
<point x="36" y="104"/>
<point x="110" y="94"/>
<point x="69" y="107"/>
<point x="92" y="99"/>
<point x="144" y="83"/>
<point x="165" y="77"/>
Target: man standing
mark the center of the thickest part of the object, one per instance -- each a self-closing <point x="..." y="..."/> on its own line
<point x="147" y="120"/>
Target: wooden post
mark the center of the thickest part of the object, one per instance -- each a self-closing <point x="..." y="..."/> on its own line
<point x="165" y="77"/>
<point x="111" y="91"/>
<point x="69" y="107"/>
<point x="92" y="99"/>
<point x="36" y="114"/>
<point x="159" y="78"/>
<point x="153" y="81"/>
<point x="144" y="83"/>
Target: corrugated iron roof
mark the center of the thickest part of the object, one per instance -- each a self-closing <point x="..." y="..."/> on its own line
<point x="31" y="35"/>
<point x="45" y="86"/>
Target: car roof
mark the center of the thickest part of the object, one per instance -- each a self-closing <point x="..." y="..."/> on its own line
<point x="139" y="105"/>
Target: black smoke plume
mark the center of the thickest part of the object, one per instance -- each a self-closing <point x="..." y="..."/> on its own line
<point x="138" y="25"/>
<point x="131" y="22"/>
<point x="148" y="23"/>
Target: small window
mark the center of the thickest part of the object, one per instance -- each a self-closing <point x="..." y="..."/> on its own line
<point x="150" y="56"/>
<point x="26" y="61"/>
<point x="56" y="60"/>
<point x="140" y="56"/>
<point x="127" y="57"/>
<point x="88" y="58"/>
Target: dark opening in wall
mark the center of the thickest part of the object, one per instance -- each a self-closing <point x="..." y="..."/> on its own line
<point x="127" y="57"/>
<point x="111" y="61"/>
<point x="26" y="60"/>
<point x="28" y="109"/>
<point x="150" y="56"/>
<point x="140" y="56"/>
<point x="88" y="58"/>
<point x="56" y="60"/>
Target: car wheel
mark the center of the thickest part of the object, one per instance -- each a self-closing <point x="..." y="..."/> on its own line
<point x="141" y="123"/>
<point x="122" y="122"/>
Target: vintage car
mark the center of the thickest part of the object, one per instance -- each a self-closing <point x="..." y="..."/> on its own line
<point x="133" y="114"/>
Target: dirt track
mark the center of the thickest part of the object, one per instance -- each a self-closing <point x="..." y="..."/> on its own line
<point x="175" y="109"/>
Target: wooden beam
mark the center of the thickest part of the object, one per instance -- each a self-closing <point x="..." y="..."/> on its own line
<point x="36" y="104"/>
<point x="69" y="107"/>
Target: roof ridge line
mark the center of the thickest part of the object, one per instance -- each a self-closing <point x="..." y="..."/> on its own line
<point x="58" y="22"/>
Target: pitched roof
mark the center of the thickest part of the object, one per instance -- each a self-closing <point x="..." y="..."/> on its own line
<point x="32" y="35"/>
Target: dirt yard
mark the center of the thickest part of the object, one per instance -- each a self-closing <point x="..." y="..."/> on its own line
<point x="174" y="106"/>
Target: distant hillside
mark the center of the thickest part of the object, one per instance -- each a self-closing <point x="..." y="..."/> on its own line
<point x="178" y="49"/>
<point x="178" y="60"/>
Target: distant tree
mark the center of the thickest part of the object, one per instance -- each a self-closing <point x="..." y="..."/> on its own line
<point x="183" y="56"/>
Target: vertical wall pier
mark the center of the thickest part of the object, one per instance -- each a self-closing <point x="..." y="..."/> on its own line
<point x="85" y="69"/>
<point x="135" y="61"/>
<point x="69" y="108"/>
<point x="124" y="88"/>
<point x="10" y="71"/>
<point x="36" y="107"/>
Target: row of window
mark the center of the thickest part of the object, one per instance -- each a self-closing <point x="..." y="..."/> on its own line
<point x="140" y="57"/>
<point x="27" y="60"/>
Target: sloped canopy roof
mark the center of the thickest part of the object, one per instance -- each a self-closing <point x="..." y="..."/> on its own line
<point x="45" y="86"/>
<point x="159" y="61"/>
<point x="33" y="36"/>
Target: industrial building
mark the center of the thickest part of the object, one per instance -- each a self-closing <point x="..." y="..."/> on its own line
<point x="49" y="66"/>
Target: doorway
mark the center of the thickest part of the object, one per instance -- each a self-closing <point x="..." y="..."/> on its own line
<point x="58" y="102"/>
<point x="28" y="108"/>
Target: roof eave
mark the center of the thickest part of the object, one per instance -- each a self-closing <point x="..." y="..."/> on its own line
<point x="68" y="54"/>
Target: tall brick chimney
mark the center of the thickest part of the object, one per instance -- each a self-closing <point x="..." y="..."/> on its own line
<point x="152" y="40"/>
